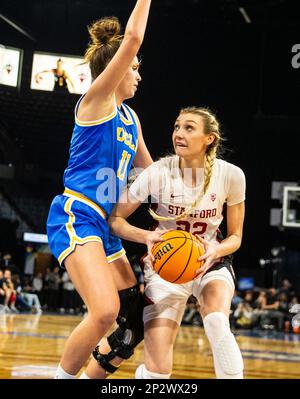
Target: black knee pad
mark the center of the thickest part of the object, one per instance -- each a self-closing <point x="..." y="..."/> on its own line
<point x="130" y="331"/>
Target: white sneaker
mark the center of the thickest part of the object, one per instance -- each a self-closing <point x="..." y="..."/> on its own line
<point x="7" y="309"/>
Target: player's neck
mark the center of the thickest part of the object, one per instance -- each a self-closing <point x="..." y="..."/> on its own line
<point x="119" y="99"/>
<point x="193" y="165"/>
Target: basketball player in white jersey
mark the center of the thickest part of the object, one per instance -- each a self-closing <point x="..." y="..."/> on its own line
<point x="189" y="191"/>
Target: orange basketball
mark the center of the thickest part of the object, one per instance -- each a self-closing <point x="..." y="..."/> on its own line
<point x="176" y="256"/>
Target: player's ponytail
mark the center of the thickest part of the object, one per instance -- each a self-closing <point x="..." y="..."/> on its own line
<point x="105" y="41"/>
<point x="211" y="126"/>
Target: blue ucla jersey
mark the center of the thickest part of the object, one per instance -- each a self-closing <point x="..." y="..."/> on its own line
<point x="101" y="156"/>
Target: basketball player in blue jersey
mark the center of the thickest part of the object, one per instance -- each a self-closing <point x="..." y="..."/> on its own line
<point x="106" y="138"/>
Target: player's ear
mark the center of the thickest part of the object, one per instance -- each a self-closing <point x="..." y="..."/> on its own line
<point x="210" y="138"/>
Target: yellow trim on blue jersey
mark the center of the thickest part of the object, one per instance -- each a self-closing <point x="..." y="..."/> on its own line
<point x="74" y="239"/>
<point x="135" y="117"/>
<point x="85" y="200"/>
<point x="98" y="121"/>
<point x="116" y="256"/>
<point x="128" y="120"/>
<point x="69" y="250"/>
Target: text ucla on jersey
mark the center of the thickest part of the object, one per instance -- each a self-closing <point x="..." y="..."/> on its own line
<point x="101" y="155"/>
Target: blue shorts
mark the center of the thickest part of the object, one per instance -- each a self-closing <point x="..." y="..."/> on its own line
<point x="74" y="220"/>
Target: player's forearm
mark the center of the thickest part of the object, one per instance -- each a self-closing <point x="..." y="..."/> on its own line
<point x="137" y="22"/>
<point x="228" y="246"/>
<point x="121" y="228"/>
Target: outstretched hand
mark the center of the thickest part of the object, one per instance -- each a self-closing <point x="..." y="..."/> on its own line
<point x="208" y="257"/>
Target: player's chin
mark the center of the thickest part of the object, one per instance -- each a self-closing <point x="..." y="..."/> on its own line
<point x="134" y="90"/>
<point x="180" y="150"/>
<point x="131" y="94"/>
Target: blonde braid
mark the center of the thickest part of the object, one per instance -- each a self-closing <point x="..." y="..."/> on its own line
<point x="209" y="162"/>
<point x="211" y="126"/>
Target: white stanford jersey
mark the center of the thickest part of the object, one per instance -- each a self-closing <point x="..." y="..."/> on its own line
<point x="170" y="196"/>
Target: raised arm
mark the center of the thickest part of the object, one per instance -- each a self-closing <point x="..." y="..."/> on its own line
<point x="101" y="93"/>
<point x="36" y="76"/>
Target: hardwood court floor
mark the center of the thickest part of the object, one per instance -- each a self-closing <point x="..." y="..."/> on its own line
<point x="31" y="345"/>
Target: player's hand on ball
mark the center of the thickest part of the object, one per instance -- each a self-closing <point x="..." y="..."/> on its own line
<point x="208" y="257"/>
<point x="152" y="238"/>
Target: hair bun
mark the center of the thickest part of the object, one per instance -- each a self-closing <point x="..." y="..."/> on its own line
<point x="104" y="30"/>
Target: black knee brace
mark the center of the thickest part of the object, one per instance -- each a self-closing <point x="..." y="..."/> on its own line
<point x="130" y="331"/>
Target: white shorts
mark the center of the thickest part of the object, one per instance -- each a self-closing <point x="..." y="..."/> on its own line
<point x="168" y="300"/>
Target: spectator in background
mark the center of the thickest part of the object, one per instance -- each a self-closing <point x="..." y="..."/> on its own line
<point x="21" y="303"/>
<point x="45" y="288"/>
<point x="30" y="296"/>
<point x="10" y="293"/>
<point x="271" y="304"/>
<point x="244" y="315"/>
<point x="7" y="263"/>
<point x="68" y="294"/>
<point x="53" y="281"/>
<point x="284" y="309"/>
<point x="294" y="302"/>
<point x="2" y="291"/>
<point x="236" y="300"/>
<point x="37" y="286"/>
<point x="191" y="314"/>
<point x="287" y="288"/>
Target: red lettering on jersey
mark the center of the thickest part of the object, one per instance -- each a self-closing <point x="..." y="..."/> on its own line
<point x="177" y="210"/>
<point x="202" y="214"/>
<point x="171" y="209"/>
<point x="197" y="214"/>
<point x="205" y="213"/>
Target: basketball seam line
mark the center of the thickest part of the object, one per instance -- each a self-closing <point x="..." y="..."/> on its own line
<point x="169" y="239"/>
<point x="185" y="239"/>
<point x="184" y="269"/>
